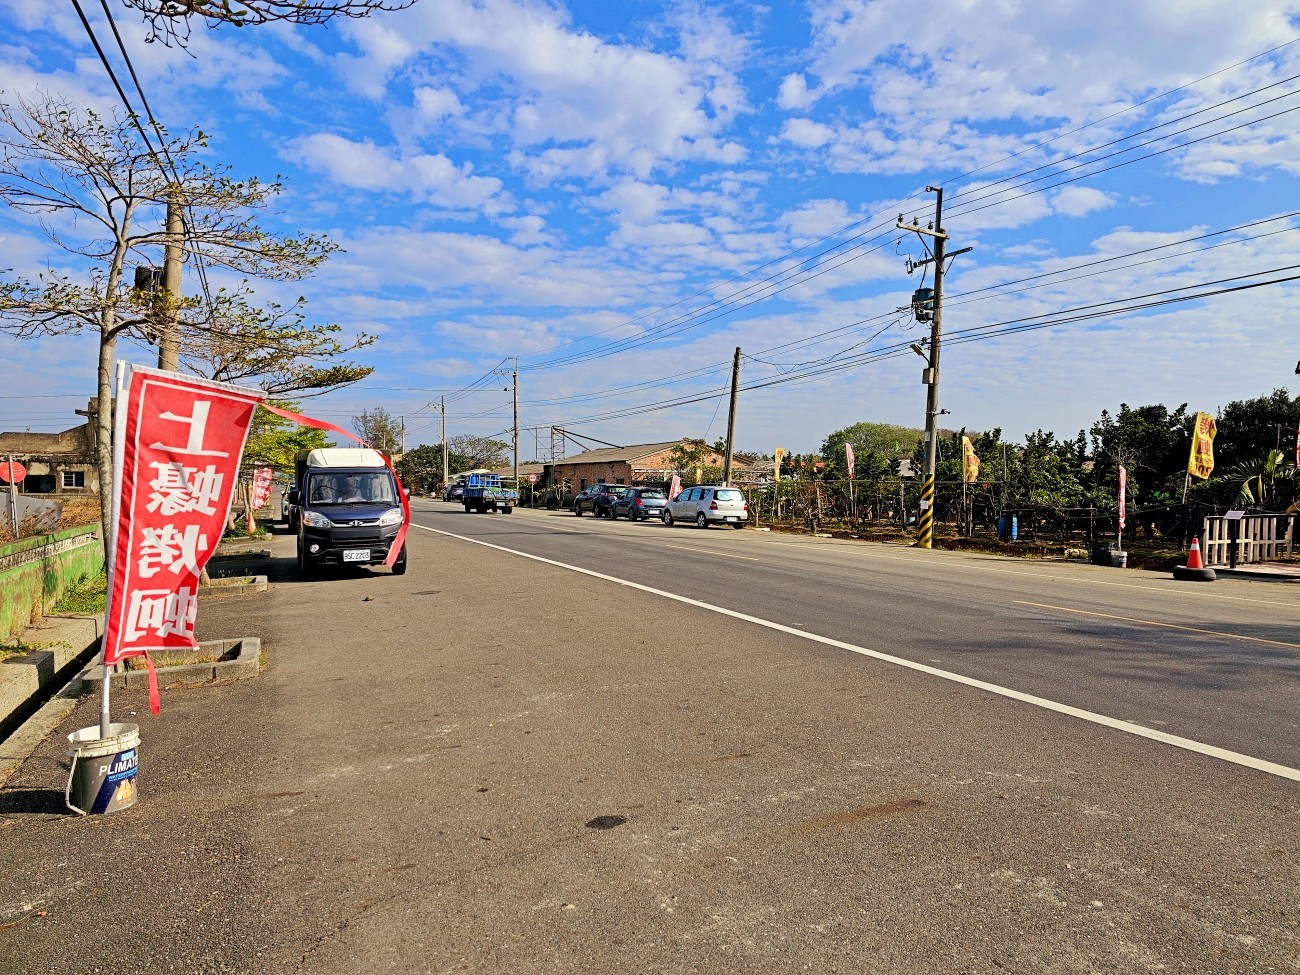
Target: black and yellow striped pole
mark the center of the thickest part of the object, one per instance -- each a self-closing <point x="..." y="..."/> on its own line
<point x="927" y="511"/>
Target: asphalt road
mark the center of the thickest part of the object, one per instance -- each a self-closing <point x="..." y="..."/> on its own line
<point x="497" y="764"/>
<point x="1215" y="663"/>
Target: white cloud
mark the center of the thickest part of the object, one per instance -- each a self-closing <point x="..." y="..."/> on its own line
<point x="816" y="218"/>
<point x="436" y="104"/>
<point x="806" y="133"/>
<point x="794" y="94"/>
<point x="430" y="178"/>
<point x="529" y="231"/>
<point x="575" y="102"/>
<point x="942" y="89"/>
<point x="1076" y="201"/>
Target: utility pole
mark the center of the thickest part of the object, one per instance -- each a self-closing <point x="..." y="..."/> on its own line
<point x="169" y="327"/>
<point x="931" y="374"/>
<point x="514" y="377"/>
<point x="446" y="475"/>
<point x="514" y="385"/>
<point x="731" y="419"/>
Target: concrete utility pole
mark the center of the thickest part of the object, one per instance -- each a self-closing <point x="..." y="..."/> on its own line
<point x="169" y="327"/>
<point x="931" y="375"/>
<point x="731" y="419"/>
<point x="514" y="376"/>
<point x="446" y="475"/>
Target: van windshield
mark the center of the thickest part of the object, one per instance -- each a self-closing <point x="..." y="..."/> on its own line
<point x="351" y="487"/>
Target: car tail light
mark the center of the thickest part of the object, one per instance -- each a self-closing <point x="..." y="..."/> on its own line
<point x="638" y="502"/>
<point x="745" y="506"/>
<point x="713" y="506"/>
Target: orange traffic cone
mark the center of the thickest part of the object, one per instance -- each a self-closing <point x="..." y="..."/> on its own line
<point x="1194" y="570"/>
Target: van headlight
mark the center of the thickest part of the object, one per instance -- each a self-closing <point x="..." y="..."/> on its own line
<point x="393" y="516"/>
<point x="316" y="520"/>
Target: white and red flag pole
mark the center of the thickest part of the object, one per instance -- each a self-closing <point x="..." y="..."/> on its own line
<point x="178" y="443"/>
<point x="1123" y="503"/>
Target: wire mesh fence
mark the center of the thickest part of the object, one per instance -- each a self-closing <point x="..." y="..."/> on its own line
<point x="963" y="510"/>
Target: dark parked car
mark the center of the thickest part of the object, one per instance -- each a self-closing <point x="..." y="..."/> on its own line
<point x="598" y="499"/>
<point x="454" y="491"/>
<point x="639" y="504"/>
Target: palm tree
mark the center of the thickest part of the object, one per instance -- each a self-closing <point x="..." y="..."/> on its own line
<point x="1260" y="478"/>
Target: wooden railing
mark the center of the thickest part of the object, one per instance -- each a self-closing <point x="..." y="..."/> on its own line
<point x="1255" y="538"/>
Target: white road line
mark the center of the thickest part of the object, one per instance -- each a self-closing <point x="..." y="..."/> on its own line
<point x="841" y="545"/>
<point x="1187" y="744"/>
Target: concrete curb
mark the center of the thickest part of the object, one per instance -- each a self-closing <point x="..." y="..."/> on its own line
<point x="26" y="679"/>
<point x="18" y="747"/>
<point x="235" y="586"/>
<point x="238" y="659"/>
<point x="243" y="553"/>
<point x="1262" y="575"/>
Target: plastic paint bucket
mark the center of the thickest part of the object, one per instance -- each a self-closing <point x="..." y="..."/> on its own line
<point x="102" y="777"/>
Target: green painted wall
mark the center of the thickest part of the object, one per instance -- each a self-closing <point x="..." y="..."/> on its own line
<point x="28" y="591"/>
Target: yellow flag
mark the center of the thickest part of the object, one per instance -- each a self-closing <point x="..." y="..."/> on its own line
<point x="970" y="468"/>
<point x="1201" y="462"/>
<point x="779" y="454"/>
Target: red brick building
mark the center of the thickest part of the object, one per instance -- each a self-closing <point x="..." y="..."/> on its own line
<point x="648" y="463"/>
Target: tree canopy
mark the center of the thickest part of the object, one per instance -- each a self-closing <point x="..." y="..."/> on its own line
<point x="101" y="193"/>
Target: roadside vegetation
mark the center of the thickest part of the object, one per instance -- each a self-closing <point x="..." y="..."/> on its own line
<point x="87" y="596"/>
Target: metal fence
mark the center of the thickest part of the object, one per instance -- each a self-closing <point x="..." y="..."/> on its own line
<point x="960" y="510"/>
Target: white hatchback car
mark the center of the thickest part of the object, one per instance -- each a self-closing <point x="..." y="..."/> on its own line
<point x="707" y="505"/>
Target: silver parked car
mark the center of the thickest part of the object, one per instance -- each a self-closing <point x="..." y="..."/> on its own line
<point x="707" y="505"/>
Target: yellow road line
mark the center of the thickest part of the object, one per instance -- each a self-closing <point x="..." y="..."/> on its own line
<point x="1168" y="626"/>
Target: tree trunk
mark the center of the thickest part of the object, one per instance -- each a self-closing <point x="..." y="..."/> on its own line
<point x="104" y="437"/>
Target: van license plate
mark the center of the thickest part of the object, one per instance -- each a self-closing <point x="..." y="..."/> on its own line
<point x="356" y="555"/>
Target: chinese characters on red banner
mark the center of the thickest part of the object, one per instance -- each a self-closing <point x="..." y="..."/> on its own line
<point x="1123" y="495"/>
<point x="262" y="478"/>
<point x="179" y="441"/>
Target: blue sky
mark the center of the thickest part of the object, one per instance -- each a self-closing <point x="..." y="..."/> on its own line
<point x="607" y="190"/>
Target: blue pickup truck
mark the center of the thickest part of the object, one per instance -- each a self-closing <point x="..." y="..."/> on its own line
<point x="485" y="492"/>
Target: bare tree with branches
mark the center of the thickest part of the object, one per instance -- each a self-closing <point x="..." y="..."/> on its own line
<point x="100" y="192"/>
<point x="171" y="21"/>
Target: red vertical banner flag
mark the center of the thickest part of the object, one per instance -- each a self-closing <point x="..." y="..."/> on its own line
<point x="1123" y="493"/>
<point x="848" y="456"/>
<point x="177" y="452"/>
<point x="262" y="478"/>
<point x="675" y="488"/>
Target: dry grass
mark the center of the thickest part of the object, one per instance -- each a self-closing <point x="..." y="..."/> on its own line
<point x="171" y="658"/>
<point x="77" y="510"/>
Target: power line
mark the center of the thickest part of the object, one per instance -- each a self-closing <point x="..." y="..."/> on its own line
<point x="992" y="330"/>
<point x="598" y="353"/>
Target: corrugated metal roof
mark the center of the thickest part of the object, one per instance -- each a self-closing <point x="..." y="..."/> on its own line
<point x="524" y="470"/>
